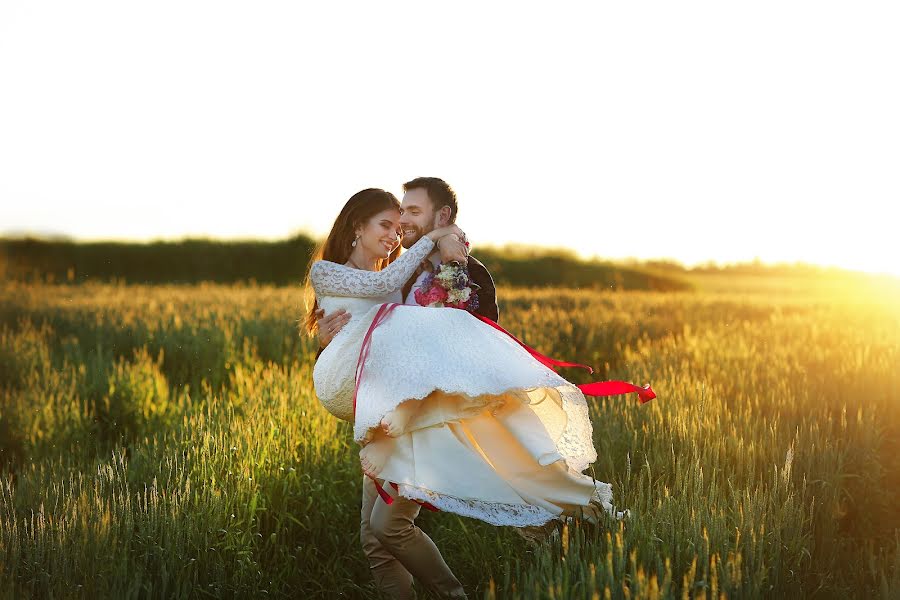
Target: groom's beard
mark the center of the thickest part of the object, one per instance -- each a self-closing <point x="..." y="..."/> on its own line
<point x="409" y="239"/>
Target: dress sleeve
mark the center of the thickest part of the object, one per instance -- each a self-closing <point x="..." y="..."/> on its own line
<point x="332" y="279"/>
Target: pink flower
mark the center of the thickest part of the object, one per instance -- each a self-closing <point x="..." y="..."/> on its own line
<point x="434" y="294"/>
<point x="437" y="294"/>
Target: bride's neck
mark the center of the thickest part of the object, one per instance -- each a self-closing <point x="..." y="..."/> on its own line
<point x="361" y="259"/>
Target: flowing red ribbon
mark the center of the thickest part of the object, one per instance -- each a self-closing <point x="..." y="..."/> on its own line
<point x="596" y="388"/>
<point x="545" y="360"/>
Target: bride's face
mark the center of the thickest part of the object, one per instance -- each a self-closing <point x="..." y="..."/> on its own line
<point x="381" y="234"/>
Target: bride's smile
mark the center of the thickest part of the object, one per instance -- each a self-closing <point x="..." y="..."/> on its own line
<point x="390" y="244"/>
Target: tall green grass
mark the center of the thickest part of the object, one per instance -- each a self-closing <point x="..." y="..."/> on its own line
<point x="161" y="442"/>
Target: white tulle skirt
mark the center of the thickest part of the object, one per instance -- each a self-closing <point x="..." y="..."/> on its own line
<point x="489" y="432"/>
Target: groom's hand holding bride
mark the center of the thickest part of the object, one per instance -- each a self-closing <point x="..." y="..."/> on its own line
<point x="330" y="325"/>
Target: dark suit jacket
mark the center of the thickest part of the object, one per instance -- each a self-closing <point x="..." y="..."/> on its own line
<point x="487" y="293"/>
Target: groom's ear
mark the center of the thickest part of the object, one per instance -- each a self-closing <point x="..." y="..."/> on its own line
<point x="444" y="216"/>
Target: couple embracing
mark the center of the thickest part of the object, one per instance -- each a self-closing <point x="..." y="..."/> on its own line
<point x="453" y="413"/>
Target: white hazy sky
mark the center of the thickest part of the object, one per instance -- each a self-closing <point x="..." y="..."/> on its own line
<point x="691" y="130"/>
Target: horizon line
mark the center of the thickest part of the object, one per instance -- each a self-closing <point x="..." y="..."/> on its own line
<point x="14" y="235"/>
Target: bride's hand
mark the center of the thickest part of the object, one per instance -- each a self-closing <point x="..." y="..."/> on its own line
<point x="452" y="250"/>
<point x="437" y="234"/>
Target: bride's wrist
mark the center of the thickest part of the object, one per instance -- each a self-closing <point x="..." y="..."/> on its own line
<point x="447" y="237"/>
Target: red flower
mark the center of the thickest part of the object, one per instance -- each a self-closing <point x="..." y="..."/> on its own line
<point x="433" y="294"/>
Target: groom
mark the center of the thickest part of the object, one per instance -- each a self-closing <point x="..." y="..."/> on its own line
<point x="396" y="549"/>
<point x="428" y="203"/>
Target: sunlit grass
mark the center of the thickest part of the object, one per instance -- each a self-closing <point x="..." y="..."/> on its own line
<point x="166" y="442"/>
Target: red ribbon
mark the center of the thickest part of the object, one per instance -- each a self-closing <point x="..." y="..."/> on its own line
<point x="388" y="500"/>
<point x="597" y="388"/>
<point x="613" y="388"/>
<point x="380" y="316"/>
<point x="545" y="360"/>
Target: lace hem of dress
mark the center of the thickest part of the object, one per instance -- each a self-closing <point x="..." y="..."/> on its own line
<point x="500" y="513"/>
<point x="576" y="444"/>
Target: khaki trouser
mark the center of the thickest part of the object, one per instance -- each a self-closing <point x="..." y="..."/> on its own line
<point x="397" y="550"/>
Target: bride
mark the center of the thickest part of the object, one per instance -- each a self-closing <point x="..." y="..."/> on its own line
<point x="451" y="412"/>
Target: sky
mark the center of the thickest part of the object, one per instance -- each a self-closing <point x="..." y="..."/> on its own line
<point x="692" y="131"/>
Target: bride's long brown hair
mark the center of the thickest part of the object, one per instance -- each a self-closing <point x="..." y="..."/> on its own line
<point x="361" y="207"/>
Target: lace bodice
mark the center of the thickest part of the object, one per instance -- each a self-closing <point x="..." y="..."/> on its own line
<point x="331" y="279"/>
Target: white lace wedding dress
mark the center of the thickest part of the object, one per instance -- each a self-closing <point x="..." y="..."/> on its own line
<point x="489" y="432"/>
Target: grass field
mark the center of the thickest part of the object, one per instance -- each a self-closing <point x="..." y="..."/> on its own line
<point x="165" y="441"/>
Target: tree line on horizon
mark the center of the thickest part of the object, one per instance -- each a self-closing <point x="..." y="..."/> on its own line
<point x="282" y="262"/>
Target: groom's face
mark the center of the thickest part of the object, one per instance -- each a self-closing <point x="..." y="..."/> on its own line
<point x="417" y="216"/>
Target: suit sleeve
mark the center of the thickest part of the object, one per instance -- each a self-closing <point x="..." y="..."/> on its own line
<point x="487" y="294"/>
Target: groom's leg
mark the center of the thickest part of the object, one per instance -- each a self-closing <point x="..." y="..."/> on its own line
<point x="393" y="525"/>
<point x="390" y="575"/>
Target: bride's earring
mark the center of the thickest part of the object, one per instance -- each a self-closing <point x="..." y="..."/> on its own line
<point x="354" y="242"/>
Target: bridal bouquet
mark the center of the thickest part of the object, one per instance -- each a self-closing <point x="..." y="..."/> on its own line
<point x="449" y="285"/>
